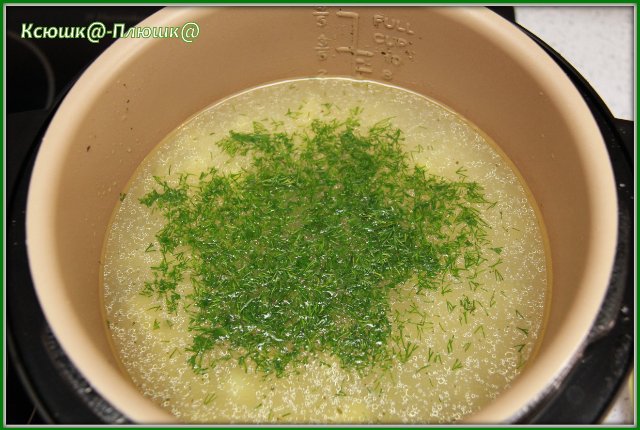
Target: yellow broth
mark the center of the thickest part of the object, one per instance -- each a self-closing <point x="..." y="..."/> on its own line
<point x="456" y="362"/>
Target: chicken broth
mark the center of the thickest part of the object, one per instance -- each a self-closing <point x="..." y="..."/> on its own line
<point x="325" y="250"/>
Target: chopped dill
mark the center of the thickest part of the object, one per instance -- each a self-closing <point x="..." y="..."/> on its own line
<point x="473" y="285"/>
<point x="492" y="300"/>
<point x="462" y="172"/>
<point x="498" y="275"/>
<point x="426" y="366"/>
<point x="469" y="305"/>
<point x="450" y="306"/>
<point x="293" y="114"/>
<point x="209" y="398"/>
<point x="297" y="255"/>
<point x="463" y="316"/>
<point x="444" y="289"/>
<point x="405" y="349"/>
<point x="457" y="364"/>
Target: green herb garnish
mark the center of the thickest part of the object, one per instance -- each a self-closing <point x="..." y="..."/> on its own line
<point x="457" y="365"/>
<point x="297" y="255"/>
<point x="450" y="346"/>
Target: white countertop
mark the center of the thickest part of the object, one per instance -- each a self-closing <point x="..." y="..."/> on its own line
<point x="597" y="40"/>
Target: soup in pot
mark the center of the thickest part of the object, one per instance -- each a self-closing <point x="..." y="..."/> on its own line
<point x="325" y="251"/>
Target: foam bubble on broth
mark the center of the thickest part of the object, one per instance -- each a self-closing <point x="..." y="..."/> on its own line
<point x="458" y="366"/>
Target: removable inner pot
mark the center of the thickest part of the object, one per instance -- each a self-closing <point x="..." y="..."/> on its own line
<point x="466" y="58"/>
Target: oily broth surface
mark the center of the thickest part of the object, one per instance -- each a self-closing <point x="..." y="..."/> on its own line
<point x="458" y="367"/>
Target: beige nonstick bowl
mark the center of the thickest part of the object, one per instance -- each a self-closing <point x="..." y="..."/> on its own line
<point x="467" y="58"/>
